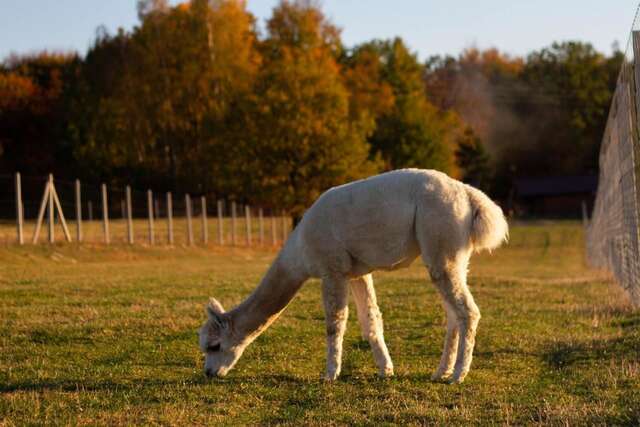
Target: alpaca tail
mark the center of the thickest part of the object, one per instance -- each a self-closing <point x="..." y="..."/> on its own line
<point x="489" y="228"/>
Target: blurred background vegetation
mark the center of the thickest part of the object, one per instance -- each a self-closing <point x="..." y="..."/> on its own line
<point x="195" y="98"/>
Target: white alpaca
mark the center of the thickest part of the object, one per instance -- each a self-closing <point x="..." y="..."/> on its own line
<point x="380" y="223"/>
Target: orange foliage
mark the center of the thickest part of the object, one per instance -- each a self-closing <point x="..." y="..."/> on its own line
<point x="492" y="61"/>
<point x="369" y="94"/>
<point x="16" y="91"/>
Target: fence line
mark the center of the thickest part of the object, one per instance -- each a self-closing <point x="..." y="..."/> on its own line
<point x="170" y="218"/>
<point x="123" y="209"/>
<point x="129" y="212"/>
<point x="105" y="214"/>
<point x="205" y="225"/>
<point x="78" y="195"/>
<point x="150" y="216"/>
<point x="261" y="225"/>
<point x="613" y="240"/>
<point x="187" y="201"/>
<point x="48" y="204"/>
<point x="247" y="218"/>
<point x="19" y="211"/>
<point x="220" y="224"/>
<point x="233" y="223"/>
<point x="56" y="200"/>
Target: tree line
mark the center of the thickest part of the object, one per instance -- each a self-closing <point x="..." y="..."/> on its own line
<point x="196" y="98"/>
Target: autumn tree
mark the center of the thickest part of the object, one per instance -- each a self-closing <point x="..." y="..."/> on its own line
<point x="578" y="83"/>
<point x="412" y="132"/>
<point x="550" y="105"/>
<point x="99" y="117"/>
<point x="370" y="95"/>
<point x="303" y="137"/>
<point x="33" y="113"/>
<point x="178" y="75"/>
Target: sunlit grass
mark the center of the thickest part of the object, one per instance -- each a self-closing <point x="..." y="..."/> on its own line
<point x="107" y="335"/>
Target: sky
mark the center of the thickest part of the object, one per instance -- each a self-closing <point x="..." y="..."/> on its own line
<point x="428" y="26"/>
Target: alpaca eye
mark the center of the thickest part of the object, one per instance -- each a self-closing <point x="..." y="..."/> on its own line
<point x="213" y="348"/>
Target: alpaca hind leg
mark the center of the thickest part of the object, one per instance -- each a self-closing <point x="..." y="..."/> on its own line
<point x="451" y="283"/>
<point x="450" y="345"/>
<point x="370" y="320"/>
<point x="335" y="298"/>
<point x="360" y="293"/>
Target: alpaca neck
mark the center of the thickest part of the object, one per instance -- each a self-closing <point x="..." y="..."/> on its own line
<point x="278" y="287"/>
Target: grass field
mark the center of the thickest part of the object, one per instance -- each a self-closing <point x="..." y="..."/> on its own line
<point x="107" y="335"/>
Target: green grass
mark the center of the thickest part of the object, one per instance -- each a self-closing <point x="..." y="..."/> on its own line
<point x="107" y="335"/>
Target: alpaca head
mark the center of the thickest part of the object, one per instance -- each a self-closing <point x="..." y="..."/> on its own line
<point x="220" y="350"/>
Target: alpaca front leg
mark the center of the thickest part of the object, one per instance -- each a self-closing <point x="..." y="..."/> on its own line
<point x="370" y="320"/>
<point x="450" y="346"/>
<point x="335" y="298"/>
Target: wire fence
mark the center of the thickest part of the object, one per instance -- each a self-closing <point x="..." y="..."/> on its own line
<point x="612" y="233"/>
<point x="31" y="213"/>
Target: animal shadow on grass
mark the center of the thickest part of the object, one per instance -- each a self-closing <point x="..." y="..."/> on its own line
<point x="197" y="379"/>
<point x="560" y="354"/>
<point x="564" y="354"/>
<point x="72" y="385"/>
<point x="46" y="336"/>
<point x="261" y="379"/>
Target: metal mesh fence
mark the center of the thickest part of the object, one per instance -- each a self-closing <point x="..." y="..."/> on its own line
<point x="613" y="241"/>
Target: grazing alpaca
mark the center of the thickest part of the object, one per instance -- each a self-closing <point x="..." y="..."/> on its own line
<point x="380" y="223"/>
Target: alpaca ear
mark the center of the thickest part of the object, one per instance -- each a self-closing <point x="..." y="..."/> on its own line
<point x="214" y="306"/>
<point x="215" y="311"/>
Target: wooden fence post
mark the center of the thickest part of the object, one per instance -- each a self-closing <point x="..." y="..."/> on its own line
<point x="284" y="228"/>
<point x="205" y="225"/>
<point x="19" y="210"/>
<point x="170" y="218"/>
<point x="90" y="210"/>
<point x="78" y="212"/>
<point x="261" y="225"/>
<point x="52" y="213"/>
<point x="105" y="214"/>
<point x="129" y="216"/>
<point x="43" y="207"/>
<point x="150" y="214"/>
<point x="274" y="231"/>
<point x="233" y="223"/>
<point x="187" y="201"/>
<point x="220" y="225"/>
<point x="247" y="220"/>
<point x="585" y="215"/>
<point x="63" y="222"/>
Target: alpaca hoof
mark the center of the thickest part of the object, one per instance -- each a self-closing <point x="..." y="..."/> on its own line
<point x="386" y="372"/>
<point x="440" y="376"/>
<point x="330" y="377"/>
<point x="456" y="379"/>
